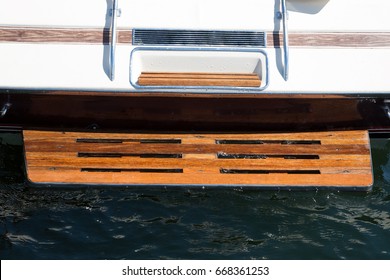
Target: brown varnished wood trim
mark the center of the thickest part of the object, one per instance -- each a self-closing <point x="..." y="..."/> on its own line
<point x="61" y="35"/>
<point x="180" y="112"/>
<point x="199" y="79"/>
<point x="331" y="39"/>
<point x="23" y="34"/>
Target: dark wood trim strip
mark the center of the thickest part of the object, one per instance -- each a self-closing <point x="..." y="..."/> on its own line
<point x="61" y="35"/>
<point x="274" y="39"/>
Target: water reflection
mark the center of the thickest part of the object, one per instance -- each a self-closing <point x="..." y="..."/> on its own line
<point x="138" y="223"/>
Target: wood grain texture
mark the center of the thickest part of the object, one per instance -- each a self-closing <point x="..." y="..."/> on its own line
<point x="25" y="34"/>
<point x="62" y="35"/>
<point x="322" y="159"/>
<point x="331" y="39"/>
<point x="199" y="79"/>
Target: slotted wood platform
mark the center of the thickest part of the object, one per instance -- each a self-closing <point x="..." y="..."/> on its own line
<point x="301" y="160"/>
<point x="199" y="79"/>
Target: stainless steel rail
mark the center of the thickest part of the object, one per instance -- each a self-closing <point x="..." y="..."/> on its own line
<point x="284" y="17"/>
<point x="115" y="12"/>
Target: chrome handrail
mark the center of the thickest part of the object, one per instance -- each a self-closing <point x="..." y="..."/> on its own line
<point x="284" y="17"/>
<point x="115" y="12"/>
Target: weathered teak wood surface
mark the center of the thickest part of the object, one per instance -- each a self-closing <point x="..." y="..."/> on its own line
<point x="282" y="160"/>
<point x="199" y="79"/>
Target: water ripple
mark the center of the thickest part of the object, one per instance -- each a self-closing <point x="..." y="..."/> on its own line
<point x="131" y="223"/>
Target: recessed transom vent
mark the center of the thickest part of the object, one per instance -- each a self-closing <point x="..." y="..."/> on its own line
<point x="199" y="38"/>
<point x="317" y="159"/>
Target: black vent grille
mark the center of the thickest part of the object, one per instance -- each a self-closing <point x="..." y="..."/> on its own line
<point x="198" y="38"/>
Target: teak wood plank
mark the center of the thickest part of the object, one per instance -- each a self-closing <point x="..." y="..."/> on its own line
<point x="200" y="75"/>
<point x="199" y="79"/>
<point x="196" y="144"/>
<point x="328" y="137"/>
<point x="270" y="149"/>
<point x="64" y="176"/>
<point x="139" y="162"/>
<point x="338" y="159"/>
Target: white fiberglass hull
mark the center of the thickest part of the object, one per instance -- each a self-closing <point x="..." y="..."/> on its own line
<point x="336" y="47"/>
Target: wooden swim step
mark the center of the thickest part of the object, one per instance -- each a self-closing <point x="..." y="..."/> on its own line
<point x="199" y="79"/>
<point x="283" y="160"/>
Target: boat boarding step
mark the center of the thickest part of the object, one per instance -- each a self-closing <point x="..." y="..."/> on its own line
<point x="199" y="79"/>
<point x="307" y="160"/>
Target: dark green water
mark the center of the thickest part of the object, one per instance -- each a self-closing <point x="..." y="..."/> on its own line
<point x="190" y="224"/>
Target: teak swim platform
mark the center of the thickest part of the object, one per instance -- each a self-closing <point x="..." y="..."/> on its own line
<point x="278" y="94"/>
<point x="268" y="161"/>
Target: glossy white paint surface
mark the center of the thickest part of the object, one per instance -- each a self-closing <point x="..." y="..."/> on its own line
<point x="85" y="67"/>
<point x="326" y="15"/>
